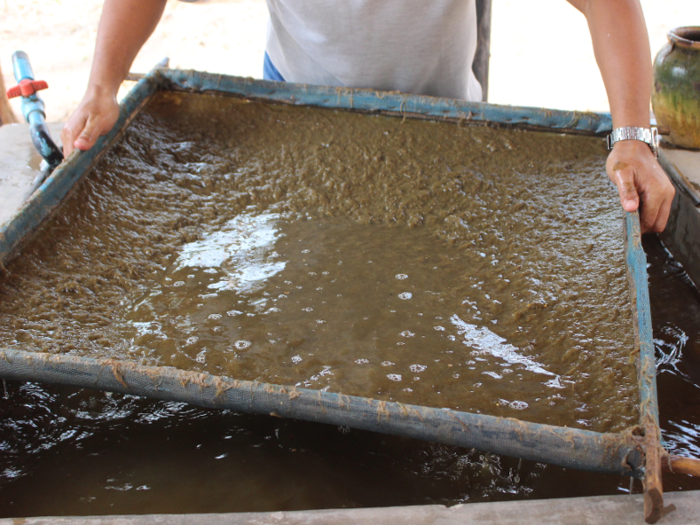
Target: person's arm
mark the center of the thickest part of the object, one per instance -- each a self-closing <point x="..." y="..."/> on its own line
<point x="125" y="25"/>
<point x="621" y="47"/>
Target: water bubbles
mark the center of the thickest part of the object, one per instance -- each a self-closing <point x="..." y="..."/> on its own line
<point x="394" y="377"/>
<point x="320" y="321"/>
<point x="405" y="295"/>
<point x="554" y="383"/>
<point x="387" y="363"/>
<point x="201" y="356"/>
<point x="307" y="309"/>
<point x="401" y="276"/>
<point x="407" y="333"/>
<point x="306" y="251"/>
<point x="233" y="313"/>
<point x="192" y="340"/>
<point x="177" y="284"/>
<point x="296" y="359"/>
<point x="362" y="361"/>
<point x="518" y="405"/>
<point x="417" y="368"/>
<point x="215" y="317"/>
<point x="439" y="328"/>
<point x="242" y="344"/>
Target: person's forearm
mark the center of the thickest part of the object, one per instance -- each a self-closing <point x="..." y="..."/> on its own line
<point x="124" y="27"/>
<point x="621" y="48"/>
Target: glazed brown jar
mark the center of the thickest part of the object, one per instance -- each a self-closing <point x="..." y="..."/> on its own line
<point x="675" y="94"/>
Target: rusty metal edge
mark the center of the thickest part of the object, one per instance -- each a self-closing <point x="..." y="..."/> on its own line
<point x="567" y="447"/>
<point x="646" y="368"/>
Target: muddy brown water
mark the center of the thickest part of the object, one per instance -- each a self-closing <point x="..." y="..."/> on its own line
<point x="204" y="242"/>
<point x="79" y="452"/>
<point x="423" y="262"/>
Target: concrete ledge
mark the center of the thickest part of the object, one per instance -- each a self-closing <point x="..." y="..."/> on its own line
<point x="620" y="510"/>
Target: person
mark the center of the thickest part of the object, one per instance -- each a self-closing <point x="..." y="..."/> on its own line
<point x="413" y="46"/>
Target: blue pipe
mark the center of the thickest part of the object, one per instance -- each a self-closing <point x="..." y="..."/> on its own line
<point x="33" y="111"/>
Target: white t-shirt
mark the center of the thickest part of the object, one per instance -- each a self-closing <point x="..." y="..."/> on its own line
<point x="424" y="47"/>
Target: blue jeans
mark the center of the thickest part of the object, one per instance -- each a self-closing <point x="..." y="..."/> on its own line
<point x="270" y="71"/>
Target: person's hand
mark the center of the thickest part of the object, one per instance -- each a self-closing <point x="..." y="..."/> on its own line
<point x="636" y="173"/>
<point x="95" y="116"/>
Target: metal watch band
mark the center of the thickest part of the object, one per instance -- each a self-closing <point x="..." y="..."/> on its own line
<point x="649" y="136"/>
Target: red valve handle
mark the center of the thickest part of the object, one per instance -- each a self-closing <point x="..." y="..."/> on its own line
<point x="26" y="88"/>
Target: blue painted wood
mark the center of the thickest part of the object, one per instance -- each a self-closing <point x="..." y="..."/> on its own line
<point x="370" y="100"/>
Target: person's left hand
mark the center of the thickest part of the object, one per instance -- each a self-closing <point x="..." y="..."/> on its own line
<point x="636" y="173"/>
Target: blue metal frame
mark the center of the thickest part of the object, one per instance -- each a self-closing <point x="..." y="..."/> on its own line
<point x="623" y="453"/>
<point x="387" y="102"/>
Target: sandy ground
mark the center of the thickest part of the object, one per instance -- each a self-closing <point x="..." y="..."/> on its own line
<point x="541" y="53"/>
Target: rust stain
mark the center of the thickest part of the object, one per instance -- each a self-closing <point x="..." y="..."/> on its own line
<point x="382" y="410"/>
<point x="116" y="370"/>
<point x="464" y="426"/>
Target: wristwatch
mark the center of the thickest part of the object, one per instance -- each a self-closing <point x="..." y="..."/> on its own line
<point x="650" y="136"/>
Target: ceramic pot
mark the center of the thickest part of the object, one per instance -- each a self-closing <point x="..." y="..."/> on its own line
<point x="675" y="94"/>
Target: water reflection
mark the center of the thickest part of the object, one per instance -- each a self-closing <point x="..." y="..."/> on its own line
<point x="675" y="310"/>
<point x="484" y="341"/>
<point x="91" y="453"/>
<point x="324" y="304"/>
<point x="243" y="250"/>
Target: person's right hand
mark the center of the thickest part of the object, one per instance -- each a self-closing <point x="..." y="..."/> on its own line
<point x="95" y="116"/>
